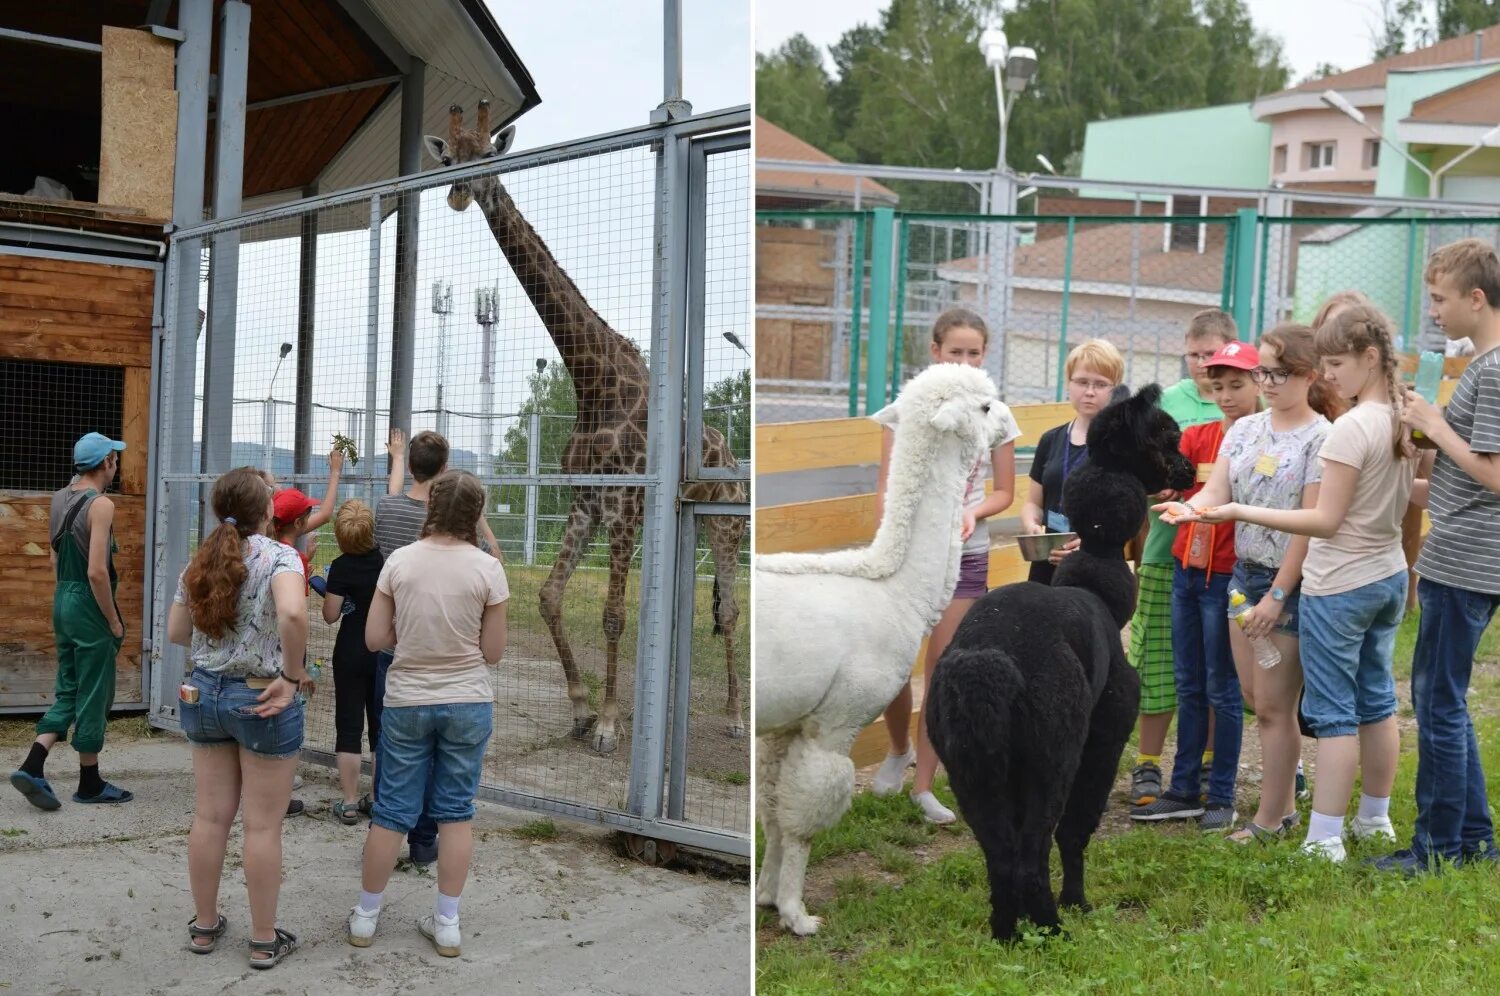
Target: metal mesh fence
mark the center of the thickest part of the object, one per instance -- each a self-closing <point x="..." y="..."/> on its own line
<point x="522" y="330"/>
<point x="1044" y="283"/>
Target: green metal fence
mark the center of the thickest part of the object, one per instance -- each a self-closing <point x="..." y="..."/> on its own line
<point x="862" y="316"/>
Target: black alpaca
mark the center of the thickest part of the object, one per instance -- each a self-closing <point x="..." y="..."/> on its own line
<point x="1033" y="701"/>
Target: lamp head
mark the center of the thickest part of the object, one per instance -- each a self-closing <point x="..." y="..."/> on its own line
<point x="541" y="364"/>
<point x="1340" y="103"/>
<point x="286" y="347"/>
<point x="993" y="46"/>
<point x="1020" y="68"/>
<point x="1046" y="164"/>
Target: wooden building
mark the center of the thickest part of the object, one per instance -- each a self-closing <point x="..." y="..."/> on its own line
<point x="141" y="109"/>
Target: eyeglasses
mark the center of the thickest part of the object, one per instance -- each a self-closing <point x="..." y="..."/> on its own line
<point x="1273" y="377"/>
<point x="1084" y="384"/>
<point x="1200" y="358"/>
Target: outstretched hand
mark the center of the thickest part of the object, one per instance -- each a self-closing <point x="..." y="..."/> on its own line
<point x="396" y="443"/>
<point x="1175" y="513"/>
<point x="335" y="461"/>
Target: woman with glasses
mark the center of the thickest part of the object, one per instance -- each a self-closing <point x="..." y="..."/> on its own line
<point x="1270" y="460"/>
<point x="1092" y="370"/>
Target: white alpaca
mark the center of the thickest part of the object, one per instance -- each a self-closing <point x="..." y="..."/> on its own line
<point x="836" y="633"/>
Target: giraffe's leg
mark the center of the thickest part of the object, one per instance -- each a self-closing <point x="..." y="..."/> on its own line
<point x="581" y="518"/>
<point x="622" y="532"/>
<point x="724" y="533"/>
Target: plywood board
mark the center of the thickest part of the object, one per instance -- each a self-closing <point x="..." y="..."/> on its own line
<point x="138" y="137"/>
<point x="136" y="412"/>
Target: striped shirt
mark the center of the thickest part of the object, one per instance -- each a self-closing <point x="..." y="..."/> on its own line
<point x="1463" y="548"/>
<point x="398" y="522"/>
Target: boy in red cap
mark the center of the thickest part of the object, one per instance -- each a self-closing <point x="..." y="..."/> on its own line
<point x="1207" y="684"/>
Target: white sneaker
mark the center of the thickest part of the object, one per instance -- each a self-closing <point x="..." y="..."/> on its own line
<point x="443" y="932"/>
<point x="362" y="926"/>
<point x="892" y="772"/>
<point x="935" y="811"/>
<point x="1332" y="849"/>
<point x="296" y="782"/>
<point x="1373" y="828"/>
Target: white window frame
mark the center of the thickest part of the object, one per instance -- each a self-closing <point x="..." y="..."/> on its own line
<point x="1321" y="155"/>
<point x="1173" y="202"/>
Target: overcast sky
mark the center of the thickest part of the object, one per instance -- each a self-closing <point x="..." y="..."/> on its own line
<point x="1336" y="31"/>
<point x="598" y="66"/>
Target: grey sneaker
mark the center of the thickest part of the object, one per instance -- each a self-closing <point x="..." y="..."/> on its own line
<point x="1167" y="807"/>
<point x="1145" y="784"/>
<point x="1217" y="818"/>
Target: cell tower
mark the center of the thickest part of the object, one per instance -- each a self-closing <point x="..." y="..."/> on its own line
<point x="486" y="300"/>
<point x="442" y="306"/>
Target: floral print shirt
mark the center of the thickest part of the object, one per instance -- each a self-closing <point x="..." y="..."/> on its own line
<point x="1269" y="470"/>
<point x="252" y="646"/>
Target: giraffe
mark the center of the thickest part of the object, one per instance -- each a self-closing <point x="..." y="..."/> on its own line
<point x="612" y="384"/>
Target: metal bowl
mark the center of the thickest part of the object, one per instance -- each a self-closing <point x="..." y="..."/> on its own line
<point x="1039" y="546"/>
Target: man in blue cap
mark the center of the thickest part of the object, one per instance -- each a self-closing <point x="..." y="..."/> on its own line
<point x="87" y="625"/>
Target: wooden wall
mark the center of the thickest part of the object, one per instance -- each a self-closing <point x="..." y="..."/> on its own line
<point x="73" y="312"/>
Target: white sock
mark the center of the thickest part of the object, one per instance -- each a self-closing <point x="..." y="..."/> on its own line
<point x="369" y="902"/>
<point x="1371" y="808"/>
<point x="447" y="906"/>
<point x="1321" y="827"/>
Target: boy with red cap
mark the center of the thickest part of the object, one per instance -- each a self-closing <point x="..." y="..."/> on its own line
<point x="1203" y="667"/>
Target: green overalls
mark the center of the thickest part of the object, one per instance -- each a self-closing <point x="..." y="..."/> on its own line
<point x="86" y="649"/>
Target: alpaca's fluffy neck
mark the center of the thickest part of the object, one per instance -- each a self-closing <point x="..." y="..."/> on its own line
<point x="917" y="544"/>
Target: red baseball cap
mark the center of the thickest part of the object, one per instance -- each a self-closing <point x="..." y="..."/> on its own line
<point x="290" y="505"/>
<point x="1239" y="355"/>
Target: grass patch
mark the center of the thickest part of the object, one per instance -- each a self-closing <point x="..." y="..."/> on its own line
<point x="1175" y="911"/>
<point x="536" y="830"/>
<point x="728" y="777"/>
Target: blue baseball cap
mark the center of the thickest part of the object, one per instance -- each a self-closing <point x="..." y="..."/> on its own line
<point x="90" y="451"/>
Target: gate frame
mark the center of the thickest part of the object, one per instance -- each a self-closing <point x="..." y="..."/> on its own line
<point x="678" y="144"/>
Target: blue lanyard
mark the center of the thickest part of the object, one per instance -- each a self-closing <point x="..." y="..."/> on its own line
<point x="1068" y="451"/>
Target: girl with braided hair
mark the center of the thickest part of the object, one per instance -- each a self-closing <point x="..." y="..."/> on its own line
<point x="1353" y="579"/>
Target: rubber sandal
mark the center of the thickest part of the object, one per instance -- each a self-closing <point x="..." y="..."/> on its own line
<point x="284" y="944"/>
<point x="108" y="796"/>
<point x="347" y="813"/>
<point x="36" y="790"/>
<point x="213" y="933"/>
<point x="366" y="805"/>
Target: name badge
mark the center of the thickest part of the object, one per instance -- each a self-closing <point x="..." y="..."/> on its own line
<point x="1058" y="523"/>
<point x="1205" y="471"/>
<point x="1266" y="465"/>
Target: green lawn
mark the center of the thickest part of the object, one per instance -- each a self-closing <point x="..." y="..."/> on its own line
<point x="906" y="909"/>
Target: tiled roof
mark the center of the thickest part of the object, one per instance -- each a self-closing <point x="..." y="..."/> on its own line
<point x="1475" y="102"/>
<point x="772" y="142"/>
<point x="1448" y="52"/>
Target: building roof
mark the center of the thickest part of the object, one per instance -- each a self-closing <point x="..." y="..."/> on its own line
<point x="772" y="142"/>
<point x="323" y="103"/>
<point x="1476" y="102"/>
<point x="1452" y="51"/>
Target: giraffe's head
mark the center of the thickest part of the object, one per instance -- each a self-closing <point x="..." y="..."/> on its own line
<point x="465" y="145"/>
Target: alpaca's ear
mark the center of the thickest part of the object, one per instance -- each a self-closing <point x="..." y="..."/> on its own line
<point x="888" y="416"/>
<point x="950" y="414"/>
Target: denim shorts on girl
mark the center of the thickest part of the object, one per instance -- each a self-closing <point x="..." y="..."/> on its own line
<point x="442" y="742"/>
<point x="224" y="715"/>
<point x="1348" y="640"/>
<point x="973" y="575"/>
<point x="1255" y="581"/>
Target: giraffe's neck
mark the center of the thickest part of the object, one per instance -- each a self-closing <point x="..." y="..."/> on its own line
<point x="595" y="354"/>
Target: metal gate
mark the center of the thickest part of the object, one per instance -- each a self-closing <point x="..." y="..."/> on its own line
<point x="650" y="229"/>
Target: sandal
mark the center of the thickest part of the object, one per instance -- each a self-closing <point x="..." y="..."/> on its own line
<point x="366" y="805"/>
<point x="1254" y="831"/>
<point x="347" y="812"/>
<point x="212" y="933"/>
<point x="110" y="795"/>
<point x="278" y="948"/>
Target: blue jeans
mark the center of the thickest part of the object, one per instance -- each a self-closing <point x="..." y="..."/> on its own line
<point x="1453" y="813"/>
<point x="1206" y="679"/>
<point x="424" y="831"/>
<point x="431" y="756"/>
<point x="1347" y="643"/>
<point x="222" y="715"/>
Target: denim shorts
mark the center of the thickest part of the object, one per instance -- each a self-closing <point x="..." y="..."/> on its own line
<point x="222" y="715"/>
<point x="442" y="742"/>
<point x="1347" y="643"/>
<point x="1255" y="581"/>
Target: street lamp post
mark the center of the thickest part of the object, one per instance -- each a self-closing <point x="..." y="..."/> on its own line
<point x="442" y="306"/>
<point x="1014" y="69"/>
<point x="268" y="418"/>
<point x="485" y="311"/>
<point x="1341" y="104"/>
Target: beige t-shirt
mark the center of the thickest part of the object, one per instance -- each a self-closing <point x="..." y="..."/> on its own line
<point x="1367" y="546"/>
<point x="440" y="593"/>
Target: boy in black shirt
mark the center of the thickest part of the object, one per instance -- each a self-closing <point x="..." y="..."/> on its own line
<point x="350" y="590"/>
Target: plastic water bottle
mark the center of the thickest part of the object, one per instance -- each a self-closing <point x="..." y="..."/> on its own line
<point x="1429" y="380"/>
<point x="1266" y="654"/>
<point x="315" y="672"/>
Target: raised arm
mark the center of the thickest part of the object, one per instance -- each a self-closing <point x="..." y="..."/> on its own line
<point x="396" y="447"/>
<point x="330" y="496"/>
